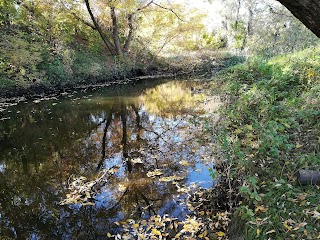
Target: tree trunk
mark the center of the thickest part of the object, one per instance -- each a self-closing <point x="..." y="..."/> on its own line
<point x="103" y="37"/>
<point x="237" y="17"/>
<point x="129" y="37"/>
<point x="250" y="18"/>
<point x="115" y="31"/>
<point x="307" y="11"/>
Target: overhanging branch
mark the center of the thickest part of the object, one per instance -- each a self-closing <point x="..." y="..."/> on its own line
<point x="168" y="9"/>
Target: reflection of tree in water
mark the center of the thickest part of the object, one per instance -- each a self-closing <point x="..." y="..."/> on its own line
<point x="146" y="143"/>
<point x="122" y="134"/>
<point x="171" y="99"/>
<point x="140" y="148"/>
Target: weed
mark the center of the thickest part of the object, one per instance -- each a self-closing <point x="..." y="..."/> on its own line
<point x="271" y="130"/>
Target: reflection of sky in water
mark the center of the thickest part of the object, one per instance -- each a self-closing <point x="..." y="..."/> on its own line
<point x="200" y="175"/>
<point x="104" y="199"/>
<point x="174" y="207"/>
<point x="116" y="160"/>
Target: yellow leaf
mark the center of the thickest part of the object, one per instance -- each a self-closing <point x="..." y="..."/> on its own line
<point x="237" y="131"/>
<point x="136" y="225"/>
<point x="171" y="178"/>
<point x="258" y="232"/>
<point x="178" y="235"/>
<point x="88" y="204"/>
<point x="287" y="226"/>
<point x="156" y="172"/>
<point x="221" y="234"/>
<point x="121" y="187"/>
<point x="184" y="163"/>
<point x="271" y="231"/>
<point x="261" y="209"/>
<point x="156" y="232"/>
<point x="109" y="235"/>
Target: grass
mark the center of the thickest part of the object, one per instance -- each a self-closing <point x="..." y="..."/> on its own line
<point x="271" y="130"/>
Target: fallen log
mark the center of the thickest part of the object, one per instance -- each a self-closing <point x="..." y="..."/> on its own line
<point x="308" y="177"/>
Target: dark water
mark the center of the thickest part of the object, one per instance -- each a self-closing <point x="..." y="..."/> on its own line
<point x="117" y="139"/>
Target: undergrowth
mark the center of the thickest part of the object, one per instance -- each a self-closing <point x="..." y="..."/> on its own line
<point x="271" y="130"/>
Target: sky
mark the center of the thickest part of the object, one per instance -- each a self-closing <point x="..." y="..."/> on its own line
<point x="213" y="21"/>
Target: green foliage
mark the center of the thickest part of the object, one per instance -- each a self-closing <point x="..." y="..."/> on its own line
<point x="7" y="12"/>
<point x="20" y="55"/>
<point x="271" y="131"/>
<point x="53" y="67"/>
<point x="240" y="34"/>
<point x="213" y="41"/>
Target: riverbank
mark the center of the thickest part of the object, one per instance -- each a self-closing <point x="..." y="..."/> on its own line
<point x="186" y="65"/>
<point x="270" y="130"/>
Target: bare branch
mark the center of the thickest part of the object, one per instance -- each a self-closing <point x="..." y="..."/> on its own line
<point x="168" y="9"/>
<point x="141" y="8"/>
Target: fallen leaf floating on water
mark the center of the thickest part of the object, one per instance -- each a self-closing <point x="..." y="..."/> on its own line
<point x="184" y="163"/>
<point x="171" y="178"/>
<point x="199" y="224"/>
<point x="83" y="191"/>
<point x="156" y="172"/>
<point x="136" y="161"/>
<point x="122" y="187"/>
<point x="156" y="232"/>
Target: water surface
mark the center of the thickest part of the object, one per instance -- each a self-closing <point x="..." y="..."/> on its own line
<point x="72" y="166"/>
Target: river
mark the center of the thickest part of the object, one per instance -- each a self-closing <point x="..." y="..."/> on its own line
<point x="78" y="165"/>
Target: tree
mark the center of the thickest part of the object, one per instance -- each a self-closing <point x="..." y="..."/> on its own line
<point x="122" y="19"/>
<point x="265" y="27"/>
<point x="307" y="11"/>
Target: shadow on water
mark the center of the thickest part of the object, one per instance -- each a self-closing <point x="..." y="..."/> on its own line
<point x="71" y="167"/>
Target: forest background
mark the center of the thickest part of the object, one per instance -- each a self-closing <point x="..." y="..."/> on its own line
<point x="59" y="43"/>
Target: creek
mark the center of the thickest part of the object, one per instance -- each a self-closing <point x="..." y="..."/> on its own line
<point x="78" y="165"/>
